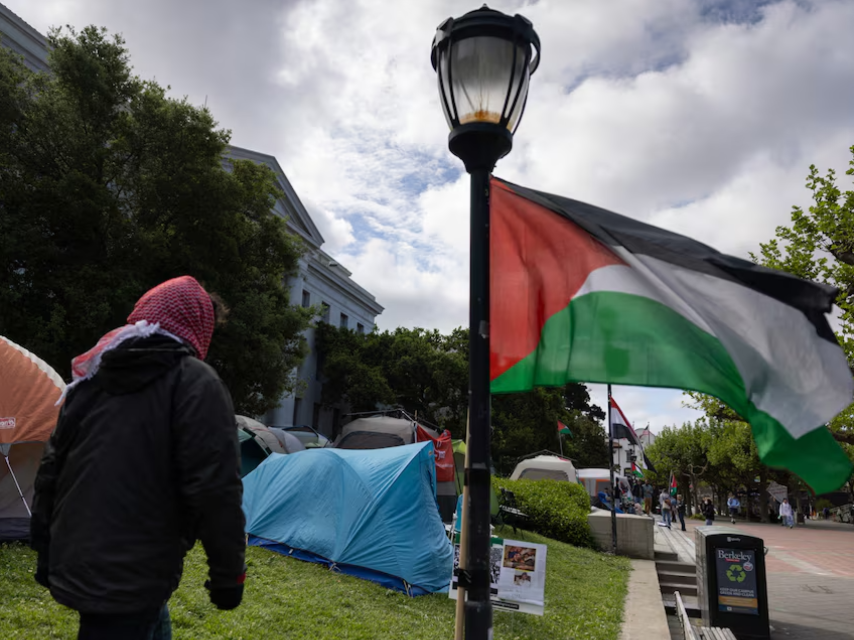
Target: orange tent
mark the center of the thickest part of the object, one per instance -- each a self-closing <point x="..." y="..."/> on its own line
<point x="29" y="390"/>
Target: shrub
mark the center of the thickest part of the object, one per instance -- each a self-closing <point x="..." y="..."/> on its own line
<point x="557" y="510"/>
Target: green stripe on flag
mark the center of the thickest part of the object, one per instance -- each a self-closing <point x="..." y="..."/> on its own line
<point x="621" y="338"/>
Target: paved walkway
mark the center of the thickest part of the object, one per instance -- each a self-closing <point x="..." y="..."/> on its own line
<point x="810" y="576"/>
<point x="643" y="617"/>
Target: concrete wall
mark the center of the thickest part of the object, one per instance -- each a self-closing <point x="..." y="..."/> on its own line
<point x="635" y="535"/>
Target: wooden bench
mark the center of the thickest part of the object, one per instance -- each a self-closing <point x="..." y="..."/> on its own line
<point x="699" y="633"/>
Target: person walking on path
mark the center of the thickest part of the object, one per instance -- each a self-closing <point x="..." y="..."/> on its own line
<point x="708" y="510"/>
<point x="664" y="502"/>
<point x="680" y="510"/>
<point x="143" y="462"/>
<point x="647" y="498"/>
<point x="733" y="504"/>
<point x="786" y="514"/>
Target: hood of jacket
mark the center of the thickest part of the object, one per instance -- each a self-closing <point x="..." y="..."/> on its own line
<point x="135" y="364"/>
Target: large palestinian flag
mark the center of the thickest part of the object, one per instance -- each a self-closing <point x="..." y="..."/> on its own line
<point x="579" y="293"/>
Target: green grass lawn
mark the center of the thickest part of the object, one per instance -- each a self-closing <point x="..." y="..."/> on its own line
<point x="286" y="598"/>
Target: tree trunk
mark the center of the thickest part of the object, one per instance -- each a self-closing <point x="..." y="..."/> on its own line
<point x="686" y="494"/>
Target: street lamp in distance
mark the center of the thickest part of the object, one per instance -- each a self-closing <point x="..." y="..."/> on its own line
<point x="483" y="62"/>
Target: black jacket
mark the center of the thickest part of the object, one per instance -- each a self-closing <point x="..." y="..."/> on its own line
<point x="708" y="510"/>
<point x="143" y="462"/>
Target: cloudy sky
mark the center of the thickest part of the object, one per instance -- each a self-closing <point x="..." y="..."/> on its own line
<point x="701" y="116"/>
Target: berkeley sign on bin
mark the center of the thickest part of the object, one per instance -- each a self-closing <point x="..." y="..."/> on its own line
<point x="736" y="569"/>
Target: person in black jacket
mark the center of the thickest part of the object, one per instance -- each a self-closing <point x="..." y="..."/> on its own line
<point x="142" y="464"/>
<point x="708" y="510"/>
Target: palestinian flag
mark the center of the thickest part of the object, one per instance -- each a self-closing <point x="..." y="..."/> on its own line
<point x="582" y="294"/>
<point x="621" y="427"/>
<point x="673" y="487"/>
<point x="563" y="430"/>
<point x="637" y="470"/>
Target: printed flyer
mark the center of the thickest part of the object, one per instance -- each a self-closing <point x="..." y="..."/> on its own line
<point x="518" y="576"/>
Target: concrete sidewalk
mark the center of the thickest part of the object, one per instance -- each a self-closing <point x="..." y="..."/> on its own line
<point x="643" y="616"/>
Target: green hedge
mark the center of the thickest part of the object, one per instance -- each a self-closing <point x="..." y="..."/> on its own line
<point x="557" y="510"/>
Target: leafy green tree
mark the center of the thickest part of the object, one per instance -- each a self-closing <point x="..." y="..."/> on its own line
<point x="421" y="371"/>
<point x="108" y="187"/>
<point x="683" y="452"/>
<point x="427" y="372"/>
<point x="819" y="245"/>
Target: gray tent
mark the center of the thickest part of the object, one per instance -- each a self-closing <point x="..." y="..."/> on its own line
<point x="257" y="442"/>
<point x="376" y="432"/>
<point x="290" y="443"/>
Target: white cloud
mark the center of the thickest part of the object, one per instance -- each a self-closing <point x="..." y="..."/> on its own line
<point x="654" y="108"/>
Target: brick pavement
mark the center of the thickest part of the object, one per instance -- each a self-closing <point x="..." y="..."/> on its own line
<point x="810" y="578"/>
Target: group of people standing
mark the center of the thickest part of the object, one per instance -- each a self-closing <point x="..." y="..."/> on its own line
<point x="787" y="514"/>
<point x="639" y="497"/>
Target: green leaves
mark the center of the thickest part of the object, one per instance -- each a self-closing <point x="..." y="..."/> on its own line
<point x="107" y="188"/>
<point x="427" y="372"/>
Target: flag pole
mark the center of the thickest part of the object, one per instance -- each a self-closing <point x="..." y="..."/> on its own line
<point x="611" y="467"/>
<point x="464" y="552"/>
<point x="560" y="441"/>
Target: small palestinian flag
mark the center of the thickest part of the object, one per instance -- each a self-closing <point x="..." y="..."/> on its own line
<point x="563" y="430"/>
<point x="673" y="487"/>
<point x="622" y="428"/>
<point x="581" y="294"/>
<point x="637" y="470"/>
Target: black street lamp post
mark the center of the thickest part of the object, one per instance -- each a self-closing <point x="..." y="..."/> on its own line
<point x="483" y="61"/>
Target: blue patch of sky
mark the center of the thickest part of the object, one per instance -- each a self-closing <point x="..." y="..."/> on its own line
<point x="734" y="11"/>
<point x="429" y="172"/>
<point x="657" y="62"/>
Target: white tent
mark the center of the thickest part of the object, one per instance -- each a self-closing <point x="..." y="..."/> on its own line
<point x="545" y="467"/>
<point x="597" y="480"/>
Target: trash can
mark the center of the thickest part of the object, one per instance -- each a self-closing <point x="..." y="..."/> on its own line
<point x="731" y="585"/>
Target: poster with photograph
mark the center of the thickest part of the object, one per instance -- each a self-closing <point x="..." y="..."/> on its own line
<point x="523" y="574"/>
<point x="517" y="576"/>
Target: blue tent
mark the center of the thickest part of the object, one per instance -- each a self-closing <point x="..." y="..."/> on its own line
<point x="367" y="513"/>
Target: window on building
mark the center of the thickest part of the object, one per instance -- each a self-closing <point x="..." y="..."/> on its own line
<point x="306" y="299"/>
<point x="315" y="419"/>
<point x="324" y="315"/>
<point x="345" y="321"/>
<point x="297" y="403"/>
<point x="360" y="328"/>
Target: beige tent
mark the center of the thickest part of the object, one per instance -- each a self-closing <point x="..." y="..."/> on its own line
<point x="376" y="432"/>
<point x="260" y="432"/>
<point x="29" y="390"/>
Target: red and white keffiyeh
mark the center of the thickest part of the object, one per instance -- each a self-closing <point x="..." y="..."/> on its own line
<point x="179" y="308"/>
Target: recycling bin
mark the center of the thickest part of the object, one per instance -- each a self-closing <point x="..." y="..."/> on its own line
<point x="731" y="585"/>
